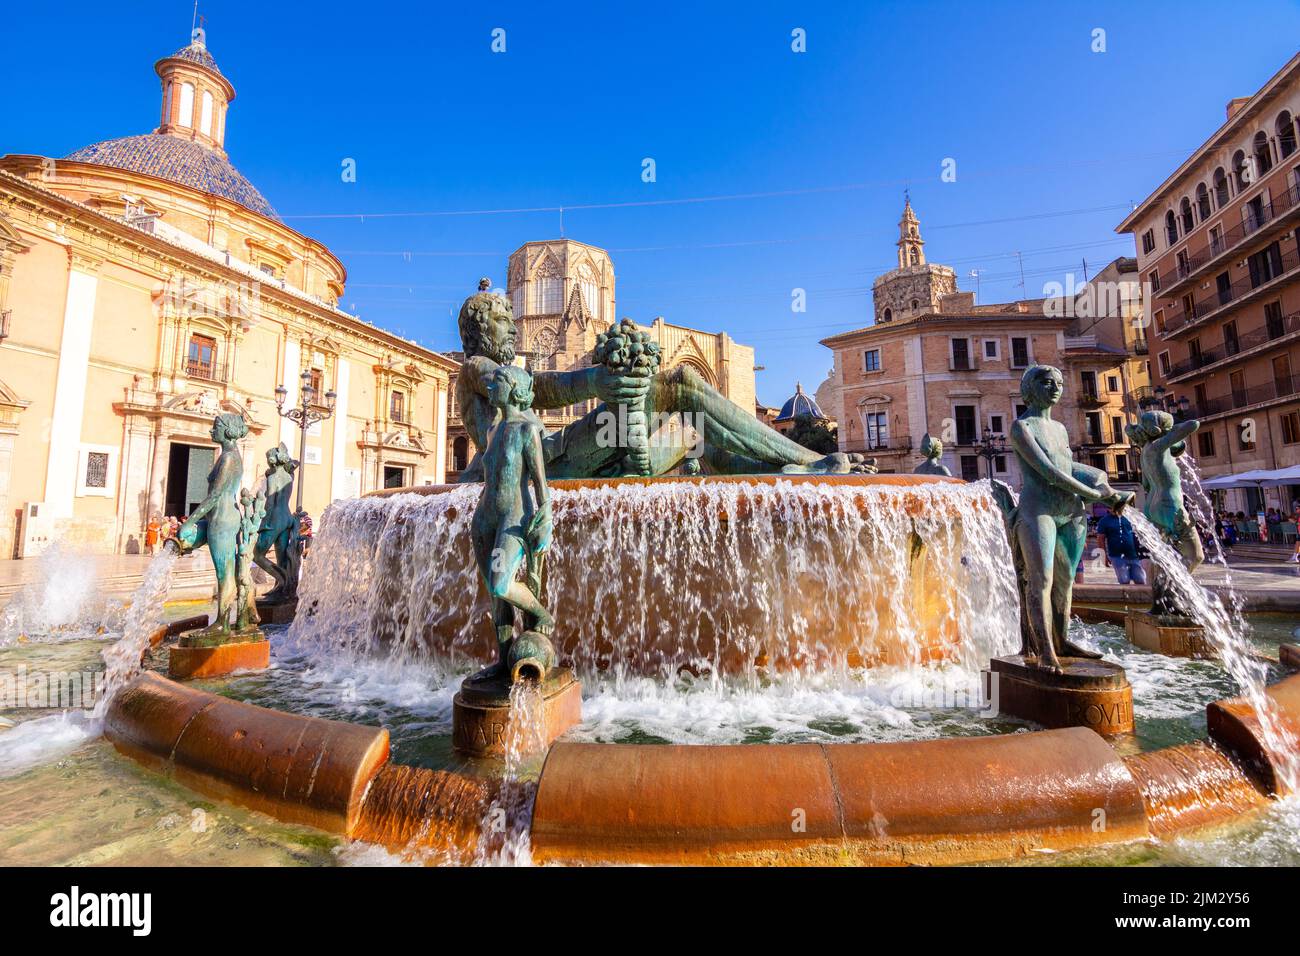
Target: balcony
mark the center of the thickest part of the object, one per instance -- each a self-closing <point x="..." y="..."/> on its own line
<point x="894" y="445"/>
<point x="1090" y="399"/>
<point x="1196" y="262"/>
<point x="1238" y="292"/>
<point x="207" y="371"/>
<point x="1279" y="389"/>
<point x="1244" y="344"/>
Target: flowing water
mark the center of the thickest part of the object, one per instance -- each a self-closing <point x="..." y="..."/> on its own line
<point x="1226" y="635"/>
<point x="724" y="581"/>
<point x="80" y="714"/>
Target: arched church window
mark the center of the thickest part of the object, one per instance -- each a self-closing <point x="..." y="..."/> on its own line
<point x="186" y="117"/>
<point x="912" y="257"/>
<point x="916" y="304"/>
<point x="205" y="116"/>
<point x="888" y="316"/>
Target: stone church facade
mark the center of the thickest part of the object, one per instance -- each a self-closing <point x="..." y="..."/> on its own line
<point x="147" y="286"/>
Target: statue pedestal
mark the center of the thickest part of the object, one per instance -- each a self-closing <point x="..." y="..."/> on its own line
<point x="1289" y="656"/>
<point x="1093" y="694"/>
<point x="277" y="612"/>
<point x="482" y="707"/>
<point x="196" y="656"/>
<point x="1168" y="635"/>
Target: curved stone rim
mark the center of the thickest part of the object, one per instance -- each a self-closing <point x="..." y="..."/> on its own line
<point x="844" y="789"/>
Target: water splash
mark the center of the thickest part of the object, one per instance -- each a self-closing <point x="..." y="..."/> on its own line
<point x="1226" y="633"/>
<point x="722" y="580"/>
<point x="43" y="739"/>
<point x="124" y="658"/>
<point x="61" y="602"/>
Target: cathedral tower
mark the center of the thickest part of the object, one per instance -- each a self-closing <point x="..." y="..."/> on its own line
<point x="915" y="287"/>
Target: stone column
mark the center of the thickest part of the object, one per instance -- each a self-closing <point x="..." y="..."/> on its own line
<point x="440" y="433"/>
<point x="158" y="472"/>
<point x="70" y="385"/>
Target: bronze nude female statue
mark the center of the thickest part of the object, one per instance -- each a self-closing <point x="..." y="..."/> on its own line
<point x="1049" y="525"/>
<point x="216" y="521"/>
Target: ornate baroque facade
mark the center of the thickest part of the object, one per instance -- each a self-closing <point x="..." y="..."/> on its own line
<point x="145" y="286"/>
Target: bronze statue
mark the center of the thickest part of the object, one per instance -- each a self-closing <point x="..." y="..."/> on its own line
<point x="279" y="529"/>
<point x="1049" y="525"/>
<point x="1162" y="442"/>
<point x="254" y="511"/>
<point x="932" y="449"/>
<point x="216" y="521"/>
<point x="512" y="527"/>
<point x="734" y="441"/>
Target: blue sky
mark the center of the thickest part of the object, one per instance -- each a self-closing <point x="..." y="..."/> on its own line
<point x="1037" y="123"/>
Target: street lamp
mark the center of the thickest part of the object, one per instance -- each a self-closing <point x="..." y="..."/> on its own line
<point x="992" y="446"/>
<point x="304" y="417"/>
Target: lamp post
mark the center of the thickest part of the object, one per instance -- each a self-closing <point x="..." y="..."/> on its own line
<point x="306" y="415"/>
<point x="992" y="446"/>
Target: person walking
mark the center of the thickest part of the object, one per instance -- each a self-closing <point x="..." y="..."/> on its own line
<point x="1122" y="548"/>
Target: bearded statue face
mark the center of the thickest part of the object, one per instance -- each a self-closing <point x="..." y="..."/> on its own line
<point x="487" y="327"/>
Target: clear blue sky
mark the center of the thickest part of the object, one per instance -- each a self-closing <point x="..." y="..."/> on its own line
<point x="1036" y="121"/>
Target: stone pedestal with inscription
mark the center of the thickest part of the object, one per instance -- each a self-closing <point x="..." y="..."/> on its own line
<point x="1164" y="634"/>
<point x="481" y="710"/>
<point x="1088" y="693"/>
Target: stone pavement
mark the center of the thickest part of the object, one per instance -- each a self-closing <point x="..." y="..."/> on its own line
<point x="120" y="574"/>
<point x="1266" y="585"/>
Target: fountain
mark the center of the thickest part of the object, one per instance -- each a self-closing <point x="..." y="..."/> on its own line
<point x="581" y="658"/>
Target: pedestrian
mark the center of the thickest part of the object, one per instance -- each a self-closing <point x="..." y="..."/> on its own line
<point x="1122" y="548"/>
<point x="151" y="532"/>
<point x="304" y="531"/>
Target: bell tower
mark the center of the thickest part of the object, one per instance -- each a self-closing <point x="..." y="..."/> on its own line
<point x="911" y="247"/>
<point x="916" y="287"/>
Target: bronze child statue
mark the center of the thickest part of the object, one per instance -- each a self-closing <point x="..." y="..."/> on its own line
<point x="1049" y="526"/>
<point x="216" y="521"/>
<point x="512" y="526"/>
<point x="280" y="527"/>
<point x="932" y="449"/>
<point x="254" y="511"/>
<point x="1162" y="442"/>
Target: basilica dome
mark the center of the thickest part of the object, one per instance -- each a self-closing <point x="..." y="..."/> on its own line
<point x="187" y="147"/>
<point x="179" y="161"/>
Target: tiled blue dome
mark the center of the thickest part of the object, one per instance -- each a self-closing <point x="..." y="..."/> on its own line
<point x="180" y="161"/>
<point x="800" y="403"/>
<point x="197" y="53"/>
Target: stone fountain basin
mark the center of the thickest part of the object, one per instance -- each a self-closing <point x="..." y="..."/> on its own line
<point x="662" y="575"/>
<point x="928" y="802"/>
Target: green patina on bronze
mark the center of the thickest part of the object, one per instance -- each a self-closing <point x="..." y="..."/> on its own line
<point x="512" y="528"/>
<point x="1048" y="527"/>
<point x="727" y="438"/>
<point x="932" y="449"/>
<point x="1162" y="443"/>
<point x="220" y="524"/>
<point x="279" y="529"/>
